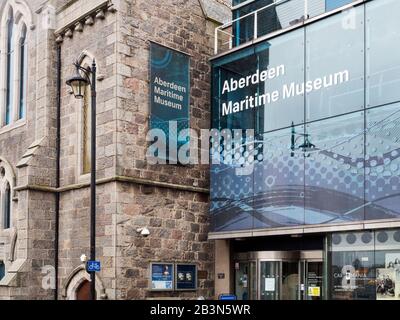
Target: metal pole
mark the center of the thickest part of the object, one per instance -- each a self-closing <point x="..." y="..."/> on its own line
<point x="93" y="184"/>
<point x="305" y="9"/>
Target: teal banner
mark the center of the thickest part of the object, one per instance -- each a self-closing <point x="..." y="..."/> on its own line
<point x="170" y="97"/>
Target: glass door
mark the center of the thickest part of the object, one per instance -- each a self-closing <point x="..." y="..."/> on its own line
<point x="312" y="279"/>
<point x="270" y="280"/>
<point x="290" y="280"/>
<point x="245" y="280"/>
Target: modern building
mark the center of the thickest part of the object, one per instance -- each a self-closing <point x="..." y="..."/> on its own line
<point x="45" y="149"/>
<point x="307" y="207"/>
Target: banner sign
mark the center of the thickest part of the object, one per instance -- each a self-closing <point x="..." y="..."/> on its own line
<point x="170" y="96"/>
<point x="162" y="276"/>
<point x="186" y="278"/>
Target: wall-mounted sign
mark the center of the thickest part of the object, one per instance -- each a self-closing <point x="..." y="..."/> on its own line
<point x="186" y="277"/>
<point x="93" y="266"/>
<point x="170" y="98"/>
<point x="162" y="276"/>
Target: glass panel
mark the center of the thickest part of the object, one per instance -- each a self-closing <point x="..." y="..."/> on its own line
<point x="382" y="165"/>
<point x="279" y="181"/>
<point x="316" y="7"/>
<point x="231" y="181"/>
<point x="243" y="29"/>
<point x="334" y="4"/>
<point x="10" y="69"/>
<point x="314" y="278"/>
<point x="352" y="272"/>
<point x="242" y="281"/>
<point x="2" y="270"/>
<point x="253" y="280"/>
<point x="335" y="65"/>
<point x="7" y="207"/>
<point x="289" y="68"/>
<point x="383" y="52"/>
<point x="290" y="280"/>
<point x="334" y="170"/>
<point x="269" y="280"/>
<point x="23" y="65"/>
<point x="387" y="262"/>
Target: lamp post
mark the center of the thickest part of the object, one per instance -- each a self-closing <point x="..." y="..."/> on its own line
<point x="307" y="146"/>
<point x="78" y="84"/>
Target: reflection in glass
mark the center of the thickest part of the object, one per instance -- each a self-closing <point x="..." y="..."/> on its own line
<point x="288" y="52"/>
<point x="382" y="165"/>
<point x="334" y="172"/>
<point x="383" y="52"/>
<point x="279" y="180"/>
<point x="365" y="271"/>
<point x="335" y="59"/>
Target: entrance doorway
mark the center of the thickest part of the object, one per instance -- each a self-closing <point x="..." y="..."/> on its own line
<point x="279" y="275"/>
<point x="83" y="291"/>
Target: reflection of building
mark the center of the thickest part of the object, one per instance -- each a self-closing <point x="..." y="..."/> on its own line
<point x="326" y="204"/>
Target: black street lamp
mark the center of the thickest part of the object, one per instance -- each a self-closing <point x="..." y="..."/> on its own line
<point x="78" y="84"/>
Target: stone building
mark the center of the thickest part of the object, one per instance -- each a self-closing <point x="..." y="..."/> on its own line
<point x="44" y="181"/>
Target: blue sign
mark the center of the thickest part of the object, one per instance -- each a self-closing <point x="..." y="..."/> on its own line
<point x="170" y="98"/>
<point x="93" y="266"/>
<point x="162" y="276"/>
<point x="227" y="297"/>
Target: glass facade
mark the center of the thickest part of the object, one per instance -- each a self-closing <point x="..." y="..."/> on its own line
<point x="324" y="105"/>
<point x="364" y="265"/>
<point x="273" y="15"/>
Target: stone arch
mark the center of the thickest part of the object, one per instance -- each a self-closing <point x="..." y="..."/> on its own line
<point x="74" y="281"/>
<point x="85" y="54"/>
<point x="7" y="182"/>
<point x="9" y="171"/>
<point x="21" y="14"/>
<point x="21" y="9"/>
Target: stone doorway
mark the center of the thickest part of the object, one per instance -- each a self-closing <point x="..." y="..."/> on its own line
<point x="83" y="291"/>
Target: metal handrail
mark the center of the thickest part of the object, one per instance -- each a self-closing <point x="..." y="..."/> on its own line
<point x="255" y="14"/>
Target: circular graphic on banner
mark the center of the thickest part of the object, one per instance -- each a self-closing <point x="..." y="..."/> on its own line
<point x="382" y="237"/>
<point x="336" y="239"/>
<point x="366" y="238"/>
<point x="396" y="236"/>
<point x="351" y="238"/>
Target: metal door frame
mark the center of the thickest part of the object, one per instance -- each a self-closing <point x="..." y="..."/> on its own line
<point x="258" y="257"/>
<point x="304" y="278"/>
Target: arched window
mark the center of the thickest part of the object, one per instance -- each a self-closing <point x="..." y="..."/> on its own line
<point x="6" y="187"/>
<point x="7" y="207"/>
<point x="14" y="36"/>
<point x="2" y="270"/>
<point x="85" y="60"/>
<point x="10" y="67"/>
<point x="23" y="73"/>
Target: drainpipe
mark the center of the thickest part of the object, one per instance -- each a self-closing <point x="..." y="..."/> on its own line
<point x="58" y="145"/>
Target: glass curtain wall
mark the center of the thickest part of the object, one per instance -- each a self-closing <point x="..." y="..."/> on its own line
<point x="324" y="104"/>
<point x="364" y="265"/>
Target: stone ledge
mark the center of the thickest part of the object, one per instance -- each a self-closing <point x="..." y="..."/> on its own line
<point x="76" y="16"/>
<point x="30" y="153"/>
<point x="125" y="179"/>
<point x="216" y="11"/>
<point x="12" y="273"/>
